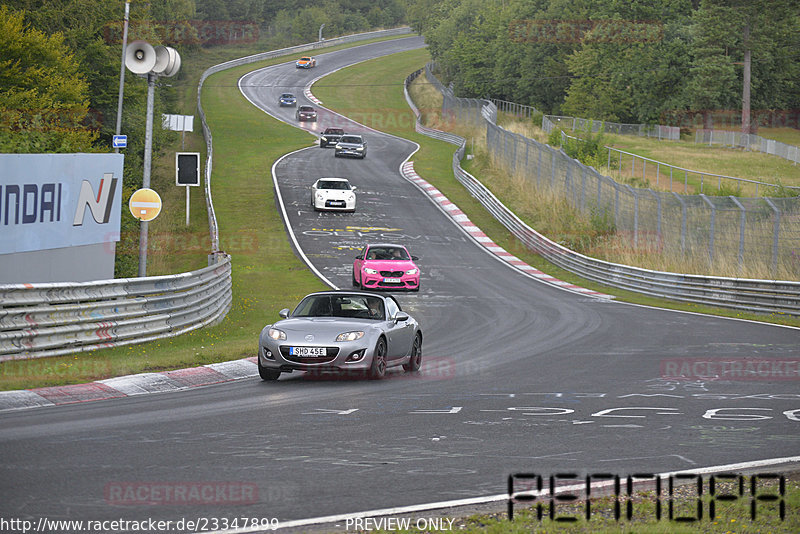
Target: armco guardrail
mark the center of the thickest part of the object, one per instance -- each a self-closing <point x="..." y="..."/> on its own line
<point x="40" y="320"/>
<point x="212" y="218"/>
<point x="762" y="296"/>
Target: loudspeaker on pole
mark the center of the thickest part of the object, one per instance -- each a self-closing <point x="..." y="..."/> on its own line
<point x="140" y="57"/>
<point x="168" y="61"/>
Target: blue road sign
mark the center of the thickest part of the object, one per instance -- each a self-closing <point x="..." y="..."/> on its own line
<point x="120" y="141"/>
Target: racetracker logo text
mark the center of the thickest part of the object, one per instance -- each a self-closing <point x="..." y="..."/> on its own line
<point x="180" y="493"/>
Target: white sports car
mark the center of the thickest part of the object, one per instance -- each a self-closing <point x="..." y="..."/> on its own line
<point x="333" y="194"/>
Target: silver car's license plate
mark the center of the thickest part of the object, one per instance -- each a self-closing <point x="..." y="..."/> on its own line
<point x="307" y="351"/>
<point x="392" y="280"/>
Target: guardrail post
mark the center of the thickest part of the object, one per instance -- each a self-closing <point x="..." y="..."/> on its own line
<point x="775" y="235"/>
<point x="710" y="229"/>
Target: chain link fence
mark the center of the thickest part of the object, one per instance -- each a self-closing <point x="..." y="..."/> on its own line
<point x="722" y="234"/>
<point x="669" y="133"/>
<point x="748" y="142"/>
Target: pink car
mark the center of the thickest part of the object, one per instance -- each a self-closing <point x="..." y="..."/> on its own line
<point x="385" y="266"/>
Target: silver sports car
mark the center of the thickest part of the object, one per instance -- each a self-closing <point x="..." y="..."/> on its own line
<point x="343" y="331"/>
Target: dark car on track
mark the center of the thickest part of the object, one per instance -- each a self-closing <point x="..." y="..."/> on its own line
<point x="341" y="331"/>
<point x="330" y="137"/>
<point x="306" y="113"/>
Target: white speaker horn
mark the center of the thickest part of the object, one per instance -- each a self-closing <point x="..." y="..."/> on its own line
<point x="168" y="61"/>
<point x="140" y="57"/>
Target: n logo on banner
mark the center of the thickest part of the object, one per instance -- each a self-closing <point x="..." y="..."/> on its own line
<point x="99" y="206"/>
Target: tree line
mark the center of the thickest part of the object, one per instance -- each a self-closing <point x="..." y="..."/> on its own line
<point x="60" y="61"/>
<point x="675" y="62"/>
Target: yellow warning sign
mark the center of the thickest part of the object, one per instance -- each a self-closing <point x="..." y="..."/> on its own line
<point x="145" y="204"/>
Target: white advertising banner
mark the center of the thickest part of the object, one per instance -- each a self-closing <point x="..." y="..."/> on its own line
<point x="52" y="201"/>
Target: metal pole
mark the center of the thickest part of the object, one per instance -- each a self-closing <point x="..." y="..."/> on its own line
<point x="187" y="204"/>
<point x="122" y="70"/>
<point x="711" y="229"/>
<point x="683" y="221"/>
<point x="148" y="150"/>
<point x="775" y="236"/>
<point x="742" y="223"/>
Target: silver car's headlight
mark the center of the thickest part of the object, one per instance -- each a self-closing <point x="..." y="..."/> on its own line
<point x="350" y="336"/>
<point x="370" y="271"/>
<point x="360" y="148"/>
<point x="276" y="334"/>
<point x="411" y="271"/>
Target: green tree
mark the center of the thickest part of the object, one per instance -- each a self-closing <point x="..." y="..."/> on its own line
<point x="43" y="95"/>
<point x="629" y="65"/>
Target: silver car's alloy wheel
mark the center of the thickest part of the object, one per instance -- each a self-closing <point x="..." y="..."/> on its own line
<point x="415" y="362"/>
<point x="378" y="368"/>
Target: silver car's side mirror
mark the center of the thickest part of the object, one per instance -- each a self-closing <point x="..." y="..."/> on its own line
<point x="284" y="313"/>
<point x="400" y="317"/>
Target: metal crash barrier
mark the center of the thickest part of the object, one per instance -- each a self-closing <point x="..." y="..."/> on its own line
<point x="41" y="320"/>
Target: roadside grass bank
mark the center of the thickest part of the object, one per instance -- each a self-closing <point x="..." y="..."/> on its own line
<point x="433" y="160"/>
<point x="267" y="276"/>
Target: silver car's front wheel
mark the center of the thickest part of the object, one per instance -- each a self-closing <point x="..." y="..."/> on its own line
<point x="378" y="368"/>
<point x="266" y="373"/>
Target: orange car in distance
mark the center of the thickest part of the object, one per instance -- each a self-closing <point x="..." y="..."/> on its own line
<point x="306" y="62"/>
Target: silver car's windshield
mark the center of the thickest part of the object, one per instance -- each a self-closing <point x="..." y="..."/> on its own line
<point x="351" y="139"/>
<point x="351" y="306"/>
